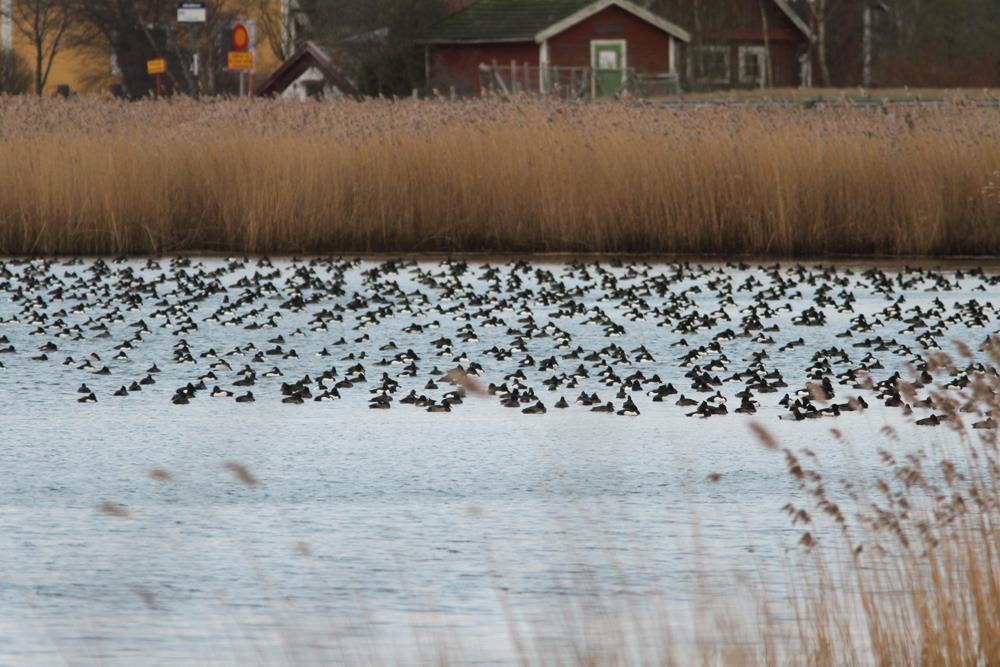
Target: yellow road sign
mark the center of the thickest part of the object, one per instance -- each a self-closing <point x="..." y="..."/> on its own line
<point x="241" y="60"/>
<point x="158" y="66"/>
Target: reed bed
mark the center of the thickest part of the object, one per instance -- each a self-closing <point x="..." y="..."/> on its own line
<point x="98" y="176"/>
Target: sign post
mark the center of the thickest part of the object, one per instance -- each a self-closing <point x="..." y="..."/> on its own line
<point x="241" y="57"/>
<point x="192" y="14"/>
<point x="157" y="68"/>
<point x="242" y="62"/>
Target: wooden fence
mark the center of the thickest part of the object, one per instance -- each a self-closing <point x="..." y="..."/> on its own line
<point x="569" y="82"/>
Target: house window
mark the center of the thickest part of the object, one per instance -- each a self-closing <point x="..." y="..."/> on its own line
<point x="753" y="64"/>
<point x="710" y="64"/>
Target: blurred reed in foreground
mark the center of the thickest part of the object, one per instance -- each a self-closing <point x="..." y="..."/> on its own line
<point x="91" y="176"/>
<point x="899" y="565"/>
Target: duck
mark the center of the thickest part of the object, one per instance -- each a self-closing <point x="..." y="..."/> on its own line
<point x="328" y="395"/>
<point x="629" y="409"/>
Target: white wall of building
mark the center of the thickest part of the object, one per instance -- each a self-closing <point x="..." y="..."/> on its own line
<point x="299" y="90"/>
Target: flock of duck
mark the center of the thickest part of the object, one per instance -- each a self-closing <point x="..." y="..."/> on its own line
<point x="617" y="337"/>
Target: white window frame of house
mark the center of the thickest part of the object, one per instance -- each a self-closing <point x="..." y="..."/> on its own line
<point x="761" y="53"/>
<point x="694" y="68"/>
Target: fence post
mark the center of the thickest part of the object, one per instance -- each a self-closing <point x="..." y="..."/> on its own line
<point x="416" y="94"/>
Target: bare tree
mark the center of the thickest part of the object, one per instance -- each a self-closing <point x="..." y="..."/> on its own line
<point x="45" y="24"/>
<point x="820" y="12"/>
<point x="15" y="75"/>
<point x="280" y="25"/>
<point x="133" y="31"/>
<point x="767" y="74"/>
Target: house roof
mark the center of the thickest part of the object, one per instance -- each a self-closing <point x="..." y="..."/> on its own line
<point x="306" y="56"/>
<point x="502" y="20"/>
<point x="794" y="17"/>
<point x="596" y="6"/>
<point x="492" y="21"/>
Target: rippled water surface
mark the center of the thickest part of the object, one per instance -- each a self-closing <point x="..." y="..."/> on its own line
<point x="372" y="534"/>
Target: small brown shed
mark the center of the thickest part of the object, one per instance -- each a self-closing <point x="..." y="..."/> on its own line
<point x="307" y="73"/>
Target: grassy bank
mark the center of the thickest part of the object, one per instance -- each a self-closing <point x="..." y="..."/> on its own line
<point x="91" y="176"/>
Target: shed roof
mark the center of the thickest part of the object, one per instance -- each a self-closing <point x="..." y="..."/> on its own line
<point x="308" y="55"/>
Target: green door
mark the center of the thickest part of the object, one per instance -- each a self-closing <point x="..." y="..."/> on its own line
<point x="609" y="68"/>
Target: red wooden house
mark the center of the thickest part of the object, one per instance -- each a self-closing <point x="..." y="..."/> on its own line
<point x="601" y="47"/>
<point x="542" y="44"/>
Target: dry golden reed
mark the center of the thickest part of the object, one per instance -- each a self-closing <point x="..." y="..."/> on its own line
<point x="97" y="176"/>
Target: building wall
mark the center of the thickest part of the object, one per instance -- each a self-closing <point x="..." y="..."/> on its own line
<point x="458" y="64"/>
<point x="647" y="47"/>
<point x="845" y="50"/>
<point x="746" y="27"/>
<point x="648" y="50"/>
<point x="85" y="72"/>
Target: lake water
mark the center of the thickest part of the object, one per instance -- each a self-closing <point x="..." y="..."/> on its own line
<point x="385" y="535"/>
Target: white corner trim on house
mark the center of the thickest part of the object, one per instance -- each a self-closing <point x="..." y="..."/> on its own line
<point x="600" y="5"/>
<point x="543" y="67"/>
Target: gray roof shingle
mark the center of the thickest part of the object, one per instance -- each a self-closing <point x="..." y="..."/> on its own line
<point x="502" y="20"/>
